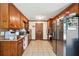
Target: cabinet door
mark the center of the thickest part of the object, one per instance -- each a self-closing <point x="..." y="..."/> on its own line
<point x="0" y="49"/>
<point x="5" y="48"/>
<point x="12" y="22"/>
<point x="4" y="15"/>
<point x="20" y="47"/>
<point x="12" y="16"/>
<point x="22" y="21"/>
<point x="0" y="15"/>
<point x="18" y="22"/>
<point x="13" y="48"/>
<point x="27" y="25"/>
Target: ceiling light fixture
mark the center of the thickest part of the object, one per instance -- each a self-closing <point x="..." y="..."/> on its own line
<point x="40" y="17"/>
<point x="38" y="22"/>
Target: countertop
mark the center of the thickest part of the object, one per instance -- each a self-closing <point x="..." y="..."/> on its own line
<point x="3" y="39"/>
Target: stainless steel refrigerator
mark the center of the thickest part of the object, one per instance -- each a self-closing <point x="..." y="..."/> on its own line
<point x="72" y="35"/>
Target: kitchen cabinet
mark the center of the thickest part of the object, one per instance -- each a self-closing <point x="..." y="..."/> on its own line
<point x="27" y="25"/>
<point x="4" y="15"/>
<point x="22" y="24"/>
<point x="20" y="47"/>
<point x="23" y="21"/>
<point x="18" y="22"/>
<point x="11" y="48"/>
<point x="5" y="48"/>
<point x="0" y="15"/>
<point x="10" y="17"/>
<point x="49" y="28"/>
<point x="25" y="42"/>
<point x="14" y="17"/>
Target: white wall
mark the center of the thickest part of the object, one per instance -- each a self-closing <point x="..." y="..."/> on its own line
<point x="45" y="30"/>
<point x="32" y="27"/>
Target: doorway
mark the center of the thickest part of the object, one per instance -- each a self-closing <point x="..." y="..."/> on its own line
<point x="39" y="31"/>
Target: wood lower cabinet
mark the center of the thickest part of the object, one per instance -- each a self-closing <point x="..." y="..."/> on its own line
<point x="11" y="48"/>
<point x="5" y="48"/>
<point x="20" y="47"/>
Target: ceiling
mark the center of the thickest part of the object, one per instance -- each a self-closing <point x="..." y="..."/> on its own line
<point x="42" y="11"/>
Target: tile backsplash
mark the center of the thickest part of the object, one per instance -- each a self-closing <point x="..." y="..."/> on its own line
<point x="2" y="32"/>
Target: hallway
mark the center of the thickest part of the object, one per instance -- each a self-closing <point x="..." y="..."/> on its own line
<point x="39" y="48"/>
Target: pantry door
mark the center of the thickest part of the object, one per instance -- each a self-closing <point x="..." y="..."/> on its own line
<point x="39" y="31"/>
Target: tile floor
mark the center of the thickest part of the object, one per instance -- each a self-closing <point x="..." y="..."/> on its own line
<point x="39" y="48"/>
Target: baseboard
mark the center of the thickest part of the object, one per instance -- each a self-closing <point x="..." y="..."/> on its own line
<point x="33" y="39"/>
<point x="42" y="39"/>
<point x="45" y="39"/>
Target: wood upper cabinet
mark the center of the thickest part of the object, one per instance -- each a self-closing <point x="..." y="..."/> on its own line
<point x="4" y="15"/>
<point x="50" y="26"/>
<point x="11" y="17"/>
<point x="0" y="15"/>
<point x="24" y="22"/>
<point x="14" y="17"/>
<point x="18" y="22"/>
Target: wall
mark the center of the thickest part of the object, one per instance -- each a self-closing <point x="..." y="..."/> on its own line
<point x="45" y="31"/>
<point x="32" y="27"/>
<point x="2" y="35"/>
